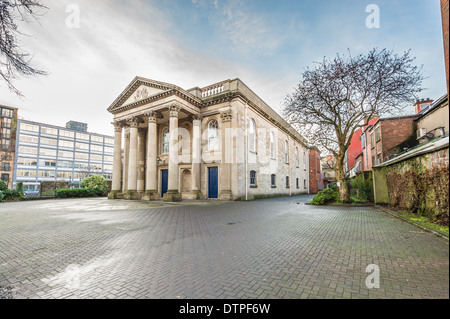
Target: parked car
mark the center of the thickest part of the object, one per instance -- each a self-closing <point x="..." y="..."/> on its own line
<point x="31" y="192"/>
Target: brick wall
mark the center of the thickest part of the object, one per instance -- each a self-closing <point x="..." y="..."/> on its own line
<point x="395" y="132"/>
<point x="314" y="171"/>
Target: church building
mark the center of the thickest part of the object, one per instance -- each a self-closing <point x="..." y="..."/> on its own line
<point x="217" y="142"/>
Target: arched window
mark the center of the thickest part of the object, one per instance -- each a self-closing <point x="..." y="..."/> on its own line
<point x="165" y="142"/>
<point x="213" y="135"/>
<point x="252" y="136"/>
<point x="297" y="157"/>
<point x="253" y="178"/>
<point x="272" y="144"/>
<point x="286" y="151"/>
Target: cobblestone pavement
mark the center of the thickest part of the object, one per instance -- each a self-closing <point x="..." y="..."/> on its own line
<point x="276" y="248"/>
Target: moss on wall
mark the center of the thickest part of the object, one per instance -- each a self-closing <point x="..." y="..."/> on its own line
<point x="421" y="185"/>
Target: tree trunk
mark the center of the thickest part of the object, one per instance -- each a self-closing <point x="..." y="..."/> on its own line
<point x="344" y="194"/>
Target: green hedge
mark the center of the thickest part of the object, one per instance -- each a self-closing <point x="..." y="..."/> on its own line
<point x="326" y="196"/>
<point x="77" y="193"/>
<point x="10" y="195"/>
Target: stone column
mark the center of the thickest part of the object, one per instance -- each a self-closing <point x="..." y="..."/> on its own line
<point x="117" y="165"/>
<point x="152" y="155"/>
<point x="125" y="160"/>
<point x="173" y="193"/>
<point x="227" y="152"/>
<point x="141" y="161"/>
<point x="132" y="161"/>
<point x="196" y="156"/>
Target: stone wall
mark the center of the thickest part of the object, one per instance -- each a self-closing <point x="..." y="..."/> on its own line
<point x="419" y="185"/>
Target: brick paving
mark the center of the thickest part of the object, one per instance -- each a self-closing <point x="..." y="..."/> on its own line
<point x="267" y="249"/>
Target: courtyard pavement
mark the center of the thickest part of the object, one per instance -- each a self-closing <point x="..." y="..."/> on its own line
<point x="266" y="249"/>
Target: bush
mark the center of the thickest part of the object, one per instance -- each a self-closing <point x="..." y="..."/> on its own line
<point x="11" y="195"/>
<point x="75" y="193"/>
<point x="3" y="186"/>
<point x="98" y="184"/>
<point x="362" y="188"/>
<point x="19" y="187"/>
<point x="326" y="196"/>
<point x="2" y="195"/>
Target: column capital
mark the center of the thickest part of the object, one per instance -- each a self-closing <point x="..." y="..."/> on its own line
<point x="117" y="126"/>
<point x="174" y="109"/>
<point x="226" y="116"/>
<point x="152" y="116"/>
<point x="197" y="120"/>
<point x="134" y="122"/>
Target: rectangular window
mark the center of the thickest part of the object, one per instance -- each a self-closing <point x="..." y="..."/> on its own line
<point x="81" y="166"/>
<point x="65" y="164"/>
<point x="28" y="150"/>
<point x="49" y="130"/>
<point x="109" y="150"/>
<point x="49" y="141"/>
<point x="64" y="133"/>
<point x="304" y="183"/>
<point x="372" y="140"/>
<point x="96" y="148"/>
<point x="47" y="174"/>
<point x="298" y="183"/>
<point x="377" y="134"/>
<point x="47" y="152"/>
<point x="81" y="136"/>
<point x="65" y="154"/>
<point x="273" y="180"/>
<point x="97" y="139"/>
<point x="7" y="113"/>
<point x="379" y="160"/>
<point x="65" y="175"/>
<point x="109" y="141"/>
<point x="5" y="178"/>
<point x="28" y="139"/>
<point x="27" y="161"/>
<point x="29" y="127"/>
<point x="107" y="167"/>
<point x="97" y="158"/>
<point x="7" y="123"/>
<point x="5" y="167"/>
<point x="47" y="163"/>
<point x="26" y="173"/>
<point x="253" y="178"/>
<point x="82" y="146"/>
<point x="287" y="182"/>
<point x="66" y="144"/>
<point x="82" y="156"/>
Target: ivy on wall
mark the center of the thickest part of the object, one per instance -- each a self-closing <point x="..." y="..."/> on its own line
<point x="421" y="185"/>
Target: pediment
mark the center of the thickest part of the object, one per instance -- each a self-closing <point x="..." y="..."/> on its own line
<point x="141" y="91"/>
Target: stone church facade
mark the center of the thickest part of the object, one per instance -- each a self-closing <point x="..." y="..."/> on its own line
<point x="219" y="142"/>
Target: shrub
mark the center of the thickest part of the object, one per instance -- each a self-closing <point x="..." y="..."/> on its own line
<point x="2" y="195"/>
<point x="326" y="196"/>
<point x="75" y="193"/>
<point x="19" y="187"/>
<point x="12" y="195"/>
<point x="362" y="188"/>
<point x="98" y="184"/>
<point x="3" y="186"/>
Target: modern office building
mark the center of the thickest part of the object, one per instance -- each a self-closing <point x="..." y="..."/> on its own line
<point x="46" y="152"/>
<point x="8" y="125"/>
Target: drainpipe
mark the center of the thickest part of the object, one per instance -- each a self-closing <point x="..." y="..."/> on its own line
<point x="246" y="150"/>
<point x="290" y="168"/>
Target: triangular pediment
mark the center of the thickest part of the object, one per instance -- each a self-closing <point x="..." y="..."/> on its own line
<point x="138" y="90"/>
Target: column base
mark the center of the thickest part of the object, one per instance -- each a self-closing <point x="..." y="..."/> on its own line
<point x="226" y="195"/>
<point x="115" y="195"/>
<point x="151" y="195"/>
<point x="132" y="195"/>
<point x="196" y="195"/>
<point x="172" y="196"/>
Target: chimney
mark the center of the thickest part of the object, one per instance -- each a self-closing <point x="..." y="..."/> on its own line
<point x="422" y="104"/>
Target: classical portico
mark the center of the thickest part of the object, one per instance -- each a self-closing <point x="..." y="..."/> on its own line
<point x="173" y="144"/>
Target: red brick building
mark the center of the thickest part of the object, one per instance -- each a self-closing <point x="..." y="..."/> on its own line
<point x="387" y="137"/>
<point x="315" y="172"/>
<point x="8" y="127"/>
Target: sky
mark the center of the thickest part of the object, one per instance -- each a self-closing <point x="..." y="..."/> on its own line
<point x="92" y="50"/>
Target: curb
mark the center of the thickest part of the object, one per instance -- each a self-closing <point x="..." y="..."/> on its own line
<point x="436" y="232"/>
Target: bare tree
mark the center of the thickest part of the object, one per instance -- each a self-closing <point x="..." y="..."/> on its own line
<point x="340" y="95"/>
<point x="14" y="62"/>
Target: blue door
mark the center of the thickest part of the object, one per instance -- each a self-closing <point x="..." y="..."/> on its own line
<point x="213" y="182"/>
<point x="164" y="181"/>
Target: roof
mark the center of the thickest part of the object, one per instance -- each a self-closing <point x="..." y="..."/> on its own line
<point x="434" y="106"/>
